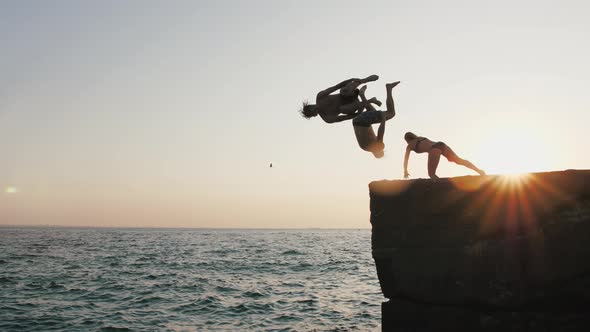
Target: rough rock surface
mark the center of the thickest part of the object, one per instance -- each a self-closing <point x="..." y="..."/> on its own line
<point x="484" y="253"/>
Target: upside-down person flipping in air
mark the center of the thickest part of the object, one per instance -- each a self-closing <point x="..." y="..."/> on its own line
<point x="363" y="122"/>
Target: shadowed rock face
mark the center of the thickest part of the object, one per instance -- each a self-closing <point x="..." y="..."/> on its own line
<point x="489" y="245"/>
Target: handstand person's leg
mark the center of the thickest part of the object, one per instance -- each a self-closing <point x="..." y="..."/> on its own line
<point x="433" y="159"/>
<point x="390" y="113"/>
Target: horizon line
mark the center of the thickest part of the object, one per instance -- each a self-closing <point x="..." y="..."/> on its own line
<point x="172" y="227"/>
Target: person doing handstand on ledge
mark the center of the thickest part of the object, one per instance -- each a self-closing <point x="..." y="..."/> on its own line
<point x="434" y="149"/>
<point x="363" y="122"/>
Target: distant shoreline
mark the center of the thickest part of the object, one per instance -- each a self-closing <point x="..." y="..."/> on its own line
<point x="186" y="228"/>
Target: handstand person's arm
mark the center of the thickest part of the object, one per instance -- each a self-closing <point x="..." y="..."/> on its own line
<point x="406" y="158"/>
<point x="381" y="130"/>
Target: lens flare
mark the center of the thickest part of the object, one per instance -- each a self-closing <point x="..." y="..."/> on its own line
<point x="10" y="190"/>
<point x="515" y="178"/>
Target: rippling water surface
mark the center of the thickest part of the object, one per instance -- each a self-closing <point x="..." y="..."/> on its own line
<point x="187" y="280"/>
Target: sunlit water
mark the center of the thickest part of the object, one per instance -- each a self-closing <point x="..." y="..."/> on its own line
<point x="187" y="280"/>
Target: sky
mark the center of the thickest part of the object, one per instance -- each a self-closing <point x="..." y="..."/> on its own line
<point x="168" y="113"/>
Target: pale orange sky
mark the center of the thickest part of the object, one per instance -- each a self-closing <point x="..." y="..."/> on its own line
<point x="168" y="114"/>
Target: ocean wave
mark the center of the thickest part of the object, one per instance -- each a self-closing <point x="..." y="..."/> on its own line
<point x="302" y="267"/>
<point x="7" y="280"/>
<point x="223" y="251"/>
<point x="307" y="301"/>
<point x="114" y="329"/>
<point x="254" y="294"/>
<point x="154" y="280"/>
<point x="55" y="285"/>
<point x="293" y="252"/>
<point x="251" y="308"/>
<point x="205" y="304"/>
<point x="225" y="289"/>
<point x="148" y="300"/>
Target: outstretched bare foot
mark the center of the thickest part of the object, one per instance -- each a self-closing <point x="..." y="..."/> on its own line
<point x="375" y="101"/>
<point x="481" y="172"/>
<point x="371" y="78"/>
<point x="392" y="85"/>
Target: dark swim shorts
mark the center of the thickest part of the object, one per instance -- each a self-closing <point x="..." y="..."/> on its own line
<point x="439" y="145"/>
<point x="367" y="118"/>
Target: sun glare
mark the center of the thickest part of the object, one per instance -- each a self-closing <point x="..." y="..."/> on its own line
<point x="513" y="151"/>
<point x="10" y="190"/>
<point x="515" y="177"/>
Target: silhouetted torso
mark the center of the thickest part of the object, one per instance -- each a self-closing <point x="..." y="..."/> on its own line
<point x="330" y="105"/>
<point x="365" y="137"/>
<point x="421" y="145"/>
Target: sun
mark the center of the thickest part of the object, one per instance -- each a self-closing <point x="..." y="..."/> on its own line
<point x="513" y="149"/>
<point x="515" y="178"/>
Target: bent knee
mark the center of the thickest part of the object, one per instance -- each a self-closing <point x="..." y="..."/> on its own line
<point x="435" y="152"/>
<point x="388" y="114"/>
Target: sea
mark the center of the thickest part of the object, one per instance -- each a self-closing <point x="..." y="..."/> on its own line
<point x="129" y="279"/>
